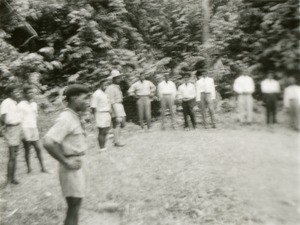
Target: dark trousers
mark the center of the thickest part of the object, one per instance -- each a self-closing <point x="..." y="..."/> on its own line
<point x="271" y="108"/>
<point x="188" y="110"/>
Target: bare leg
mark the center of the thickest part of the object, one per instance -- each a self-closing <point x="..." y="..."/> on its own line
<point x="73" y="210"/>
<point x="38" y="148"/>
<point x="26" y="145"/>
<point x="11" y="167"/>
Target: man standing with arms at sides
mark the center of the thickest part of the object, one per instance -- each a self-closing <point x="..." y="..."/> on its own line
<point x="166" y="92"/>
<point x="28" y="111"/>
<point x="101" y="110"/>
<point x="10" y="117"/>
<point x="244" y="87"/>
<point x="270" y="89"/>
<point x="143" y="90"/>
<point x="187" y="94"/>
<point x="206" y="94"/>
<point x="115" y="96"/>
<point x="291" y="100"/>
<point x="66" y="142"/>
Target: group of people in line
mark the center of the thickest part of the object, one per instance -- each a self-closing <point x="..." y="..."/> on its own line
<point x="66" y="140"/>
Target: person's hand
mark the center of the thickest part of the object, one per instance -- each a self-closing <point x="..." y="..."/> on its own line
<point x="73" y="164"/>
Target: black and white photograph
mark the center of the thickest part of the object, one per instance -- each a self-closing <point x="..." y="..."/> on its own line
<point x="149" y="112"/>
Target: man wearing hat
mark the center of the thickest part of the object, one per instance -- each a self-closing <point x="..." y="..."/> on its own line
<point x="144" y="90"/>
<point x="187" y="94"/>
<point x="101" y="109"/>
<point x="66" y="142"/>
<point x="205" y="95"/>
<point x="166" y="92"/>
<point x="115" y="96"/>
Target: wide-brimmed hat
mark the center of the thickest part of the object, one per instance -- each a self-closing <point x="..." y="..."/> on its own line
<point x="114" y="74"/>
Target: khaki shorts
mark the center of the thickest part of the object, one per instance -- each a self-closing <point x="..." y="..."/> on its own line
<point x="118" y="110"/>
<point x="73" y="182"/>
<point x="103" y="119"/>
<point x="13" y="135"/>
<point x="30" y="134"/>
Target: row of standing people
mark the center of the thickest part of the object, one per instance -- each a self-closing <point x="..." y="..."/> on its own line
<point x="19" y="115"/>
<point x="66" y="140"/>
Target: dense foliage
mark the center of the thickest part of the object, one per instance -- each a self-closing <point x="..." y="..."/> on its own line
<point x="52" y="43"/>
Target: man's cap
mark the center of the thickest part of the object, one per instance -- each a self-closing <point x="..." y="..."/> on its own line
<point x="114" y="73"/>
<point x="75" y="90"/>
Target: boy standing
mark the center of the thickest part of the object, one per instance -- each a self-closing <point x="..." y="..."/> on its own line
<point x="66" y="142"/>
<point x="115" y="96"/>
<point x="28" y="111"/>
<point x="100" y="105"/>
<point x="10" y="117"/>
<point x="187" y="94"/>
<point x="244" y="87"/>
<point x="166" y="92"/>
<point x="206" y="94"/>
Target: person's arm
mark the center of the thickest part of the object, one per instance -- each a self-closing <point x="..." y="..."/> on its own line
<point x="159" y="93"/>
<point x="252" y="86"/>
<point x="236" y="87"/>
<point x="3" y="119"/>
<point x="152" y="88"/>
<point x="3" y="112"/>
<point x="56" y="151"/>
<point x="198" y="95"/>
<point x="131" y="90"/>
<point x="174" y="91"/>
<point x="93" y="104"/>
<point x="179" y="93"/>
<point x="213" y="90"/>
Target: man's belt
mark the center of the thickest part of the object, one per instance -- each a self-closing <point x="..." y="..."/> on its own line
<point x="75" y="154"/>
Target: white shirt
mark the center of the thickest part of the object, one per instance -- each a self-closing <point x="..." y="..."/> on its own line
<point x="291" y="93"/>
<point x="186" y="91"/>
<point x="166" y="88"/>
<point x="244" y="85"/>
<point x="142" y="88"/>
<point x="270" y="86"/>
<point x="100" y="101"/>
<point x="10" y="108"/>
<point x="28" y="112"/>
<point x="206" y="85"/>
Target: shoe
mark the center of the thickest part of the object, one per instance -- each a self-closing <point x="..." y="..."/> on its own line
<point x="14" y="182"/>
<point x="186" y="128"/>
<point x="119" y="144"/>
<point x="214" y="126"/>
<point x="45" y="171"/>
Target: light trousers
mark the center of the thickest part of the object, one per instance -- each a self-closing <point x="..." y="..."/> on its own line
<point x="144" y="109"/>
<point x="167" y="102"/>
<point x="245" y="108"/>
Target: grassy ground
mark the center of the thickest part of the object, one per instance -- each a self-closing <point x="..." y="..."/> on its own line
<point x="230" y="175"/>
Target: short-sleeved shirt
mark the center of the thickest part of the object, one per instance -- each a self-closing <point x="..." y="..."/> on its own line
<point x="244" y="85"/>
<point x="114" y="94"/>
<point x="142" y="88"/>
<point x="10" y="108"/>
<point x="69" y="132"/>
<point x="100" y="101"/>
<point x="28" y="112"/>
<point x="186" y="91"/>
